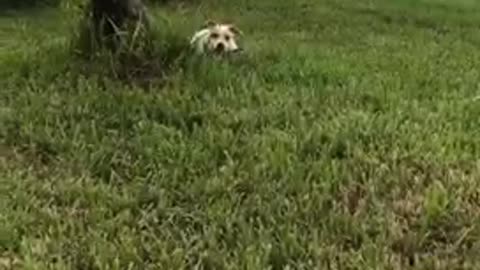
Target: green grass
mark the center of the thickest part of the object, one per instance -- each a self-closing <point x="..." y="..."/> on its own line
<point x="347" y="137"/>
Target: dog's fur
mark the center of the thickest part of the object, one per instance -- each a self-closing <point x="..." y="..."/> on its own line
<point x="217" y="38"/>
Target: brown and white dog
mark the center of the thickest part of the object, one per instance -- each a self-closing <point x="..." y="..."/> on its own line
<point x="217" y="38"/>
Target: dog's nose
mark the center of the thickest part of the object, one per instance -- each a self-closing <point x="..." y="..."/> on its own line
<point x="220" y="47"/>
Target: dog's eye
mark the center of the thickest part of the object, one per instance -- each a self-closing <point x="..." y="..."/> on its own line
<point x="214" y="35"/>
<point x="227" y="38"/>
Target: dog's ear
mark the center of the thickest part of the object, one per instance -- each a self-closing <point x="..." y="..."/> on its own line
<point x="235" y="29"/>
<point x="209" y="23"/>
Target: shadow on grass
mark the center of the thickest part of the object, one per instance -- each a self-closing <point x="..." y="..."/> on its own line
<point x="12" y="7"/>
<point x="438" y="19"/>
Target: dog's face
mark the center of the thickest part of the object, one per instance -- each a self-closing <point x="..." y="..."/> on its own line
<point x="222" y="38"/>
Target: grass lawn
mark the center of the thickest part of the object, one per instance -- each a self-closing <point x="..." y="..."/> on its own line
<point x="347" y="137"/>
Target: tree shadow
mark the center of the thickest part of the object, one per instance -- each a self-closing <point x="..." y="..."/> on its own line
<point x="10" y="8"/>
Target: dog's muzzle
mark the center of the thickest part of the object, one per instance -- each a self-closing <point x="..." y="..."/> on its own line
<point x="220" y="48"/>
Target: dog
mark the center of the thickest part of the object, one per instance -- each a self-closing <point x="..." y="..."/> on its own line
<point x="216" y="38"/>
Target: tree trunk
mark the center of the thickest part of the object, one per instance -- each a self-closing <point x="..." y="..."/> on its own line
<point x="111" y="16"/>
